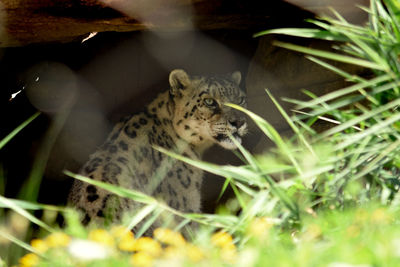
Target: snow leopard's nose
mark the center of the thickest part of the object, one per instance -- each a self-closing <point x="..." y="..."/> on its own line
<point x="237" y="122"/>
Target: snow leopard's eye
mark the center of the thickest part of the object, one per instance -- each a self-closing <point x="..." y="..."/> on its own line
<point x="210" y="102"/>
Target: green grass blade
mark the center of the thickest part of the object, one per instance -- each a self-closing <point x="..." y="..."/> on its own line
<point x="249" y="158"/>
<point x="348" y="76"/>
<point x="120" y="191"/>
<point x="374" y="130"/>
<point x="32" y="206"/>
<point x="332" y="56"/>
<point x="345" y="91"/>
<point x="30" y="189"/>
<point x="271" y="133"/>
<point x="238" y="196"/>
<point x="291" y="124"/>
<point x="340" y="103"/>
<point x="18" y="242"/>
<point x="14" y="206"/>
<point x="140" y="215"/>
<point x="375" y="162"/>
<point x="6" y="139"/>
<point x="305" y="33"/>
<point x="350" y="123"/>
<point x="240" y="173"/>
<point x="223" y="189"/>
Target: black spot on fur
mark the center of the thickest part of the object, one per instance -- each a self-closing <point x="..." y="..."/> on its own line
<point x="122" y="160"/>
<point x="174" y="204"/>
<point x="160" y="104"/>
<point x="186" y="115"/>
<point x="154" y="110"/>
<point x="92" y="193"/>
<point x="130" y="132"/>
<point x="193" y="109"/>
<point x="171" y="191"/>
<point x="100" y="213"/>
<point x="136" y="125"/>
<point x="142" y="121"/>
<point x="123" y="145"/>
<point x="93" y="164"/>
<point x="198" y="185"/>
<point x="179" y="122"/>
<point x="202" y="93"/>
<point x="105" y="199"/>
<point x="92" y="198"/>
<point x="157" y="122"/>
<point x="159" y="188"/>
<point x="193" y="134"/>
<point x="111" y="171"/>
<point x="187" y="127"/>
<point x="91" y="189"/>
<point x="184" y="200"/>
<point x="185" y="182"/>
<point x="200" y="138"/>
<point x="86" y="219"/>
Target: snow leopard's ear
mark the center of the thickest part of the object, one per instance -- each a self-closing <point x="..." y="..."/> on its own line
<point x="178" y="80"/>
<point x="236" y="77"/>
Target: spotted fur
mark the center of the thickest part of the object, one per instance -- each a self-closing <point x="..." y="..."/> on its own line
<point x="187" y="119"/>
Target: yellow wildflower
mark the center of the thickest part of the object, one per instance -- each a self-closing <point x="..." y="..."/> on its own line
<point x="222" y="239"/>
<point x="194" y="253"/>
<point x="173" y="252"/>
<point x="39" y="245"/>
<point x="29" y="260"/>
<point x="121" y="232"/>
<point x="380" y="216"/>
<point x="127" y="243"/>
<point x="141" y="259"/>
<point x="148" y="245"/>
<point x="169" y="237"/>
<point x="101" y="236"/>
<point x="259" y="227"/>
<point x="58" y="239"/>
<point x="125" y="237"/>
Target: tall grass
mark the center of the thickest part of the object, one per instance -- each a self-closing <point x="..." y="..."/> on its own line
<point x="356" y="161"/>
